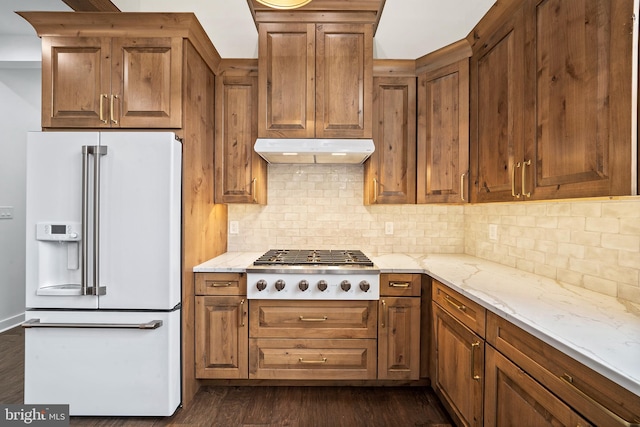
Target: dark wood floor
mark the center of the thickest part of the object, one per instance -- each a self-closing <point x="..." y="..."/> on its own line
<point x="259" y="406"/>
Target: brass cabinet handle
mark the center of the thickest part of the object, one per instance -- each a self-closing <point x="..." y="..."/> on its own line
<point x="253" y="189"/>
<point x="568" y="379"/>
<point x="462" y="186"/>
<point x="513" y="181"/>
<point x="103" y="96"/>
<point x="384" y="313"/>
<point x="241" y="312"/>
<point x="455" y="303"/>
<point x="399" y="284"/>
<point x="313" y="319"/>
<point x="524" y="185"/>
<point x="220" y="284"/>
<point x="111" y="113"/>
<point x="316" y="362"/>
<point x="375" y="190"/>
<point x="473" y="360"/>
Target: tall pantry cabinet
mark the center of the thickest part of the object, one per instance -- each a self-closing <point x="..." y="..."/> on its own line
<point x="159" y="75"/>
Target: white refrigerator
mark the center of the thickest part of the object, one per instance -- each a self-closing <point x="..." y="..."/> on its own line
<point x="103" y="244"/>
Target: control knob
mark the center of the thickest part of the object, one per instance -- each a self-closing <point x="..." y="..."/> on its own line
<point x="364" y="286"/>
<point x="303" y="285"/>
<point x="345" y="285"/>
<point x="280" y="284"/>
<point x="322" y="285"/>
<point x="261" y="285"/>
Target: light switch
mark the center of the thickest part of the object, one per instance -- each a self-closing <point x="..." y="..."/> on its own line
<point x="493" y="231"/>
<point x="388" y="228"/>
<point x="233" y="227"/>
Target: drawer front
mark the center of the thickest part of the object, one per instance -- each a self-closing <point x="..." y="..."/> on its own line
<point x="400" y="285"/>
<point x="312" y="319"/>
<point x="221" y="284"/>
<point x="318" y="359"/>
<point x="469" y="313"/>
<point x="597" y="398"/>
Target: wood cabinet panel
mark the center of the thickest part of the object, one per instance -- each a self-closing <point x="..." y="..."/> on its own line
<point x="469" y="313"/>
<point x="458" y="376"/>
<point x="314" y="359"/>
<point x="313" y="319"/>
<point x="511" y="394"/>
<point x="222" y="337"/>
<point x="221" y="284"/>
<point x="390" y="172"/>
<point x="241" y="174"/>
<point x="443" y="134"/>
<point x="399" y="338"/>
<point x="286" y="80"/>
<point x="400" y="284"/>
<point x="344" y="78"/>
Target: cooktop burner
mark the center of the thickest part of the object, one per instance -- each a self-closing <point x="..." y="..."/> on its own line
<point x="313" y="257"/>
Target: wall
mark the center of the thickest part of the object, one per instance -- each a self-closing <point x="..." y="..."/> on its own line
<point x="19" y="113"/>
<point x="594" y="244"/>
<point x="320" y="207"/>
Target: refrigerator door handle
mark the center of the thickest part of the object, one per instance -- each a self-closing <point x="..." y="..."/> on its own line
<point x="35" y="323"/>
<point x="84" y="278"/>
<point x="96" y="151"/>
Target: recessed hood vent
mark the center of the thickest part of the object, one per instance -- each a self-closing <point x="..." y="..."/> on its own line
<point x="354" y="151"/>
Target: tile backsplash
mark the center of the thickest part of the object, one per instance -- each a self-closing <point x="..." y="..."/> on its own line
<point x="594" y="244"/>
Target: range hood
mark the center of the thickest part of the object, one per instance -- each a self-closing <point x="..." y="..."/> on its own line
<point x="354" y="151"/>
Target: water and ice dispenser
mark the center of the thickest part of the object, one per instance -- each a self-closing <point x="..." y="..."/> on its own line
<point x="59" y="269"/>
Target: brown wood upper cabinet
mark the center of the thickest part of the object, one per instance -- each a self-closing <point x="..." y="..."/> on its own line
<point x="315" y="80"/>
<point x="241" y="174"/>
<point x="551" y="101"/>
<point x="390" y="172"/>
<point x="107" y="82"/>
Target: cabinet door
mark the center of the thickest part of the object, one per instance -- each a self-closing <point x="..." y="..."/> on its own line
<point x="497" y="102"/>
<point x="580" y="144"/>
<point x="222" y="337"/>
<point x="75" y="82"/>
<point x="443" y="134"/>
<point x="399" y="338"/>
<point x="241" y="174"/>
<point x="511" y="394"/>
<point x="146" y="82"/>
<point x="390" y="172"/>
<point x="286" y="80"/>
<point x="458" y="368"/>
<point x="344" y="79"/>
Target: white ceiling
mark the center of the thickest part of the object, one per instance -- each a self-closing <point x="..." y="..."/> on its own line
<point x="408" y="29"/>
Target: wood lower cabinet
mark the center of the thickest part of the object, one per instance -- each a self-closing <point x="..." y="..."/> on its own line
<point x="511" y="394"/>
<point x="390" y="172"/>
<point x="312" y="340"/>
<point x="458" y="366"/>
<point x="222" y="326"/>
<point x="241" y="174"/>
<point x="112" y="82"/>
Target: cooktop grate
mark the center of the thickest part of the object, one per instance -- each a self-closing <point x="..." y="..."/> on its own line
<point x="313" y="257"/>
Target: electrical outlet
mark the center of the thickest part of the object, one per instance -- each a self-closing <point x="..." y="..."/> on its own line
<point x="388" y="228"/>
<point x="493" y="232"/>
<point x="6" y="212"/>
<point x="233" y="227"/>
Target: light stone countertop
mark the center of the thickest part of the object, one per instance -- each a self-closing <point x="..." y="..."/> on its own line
<point x="601" y="332"/>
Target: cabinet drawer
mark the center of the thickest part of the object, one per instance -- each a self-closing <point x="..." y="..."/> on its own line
<point x="319" y="359"/>
<point x="597" y="398"/>
<point x="312" y="319"/>
<point x="221" y="284"/>
<point x="469" y="313"/>
<point x="400" y="285"/>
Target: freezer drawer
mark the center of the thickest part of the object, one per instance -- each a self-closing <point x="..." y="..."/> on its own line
<point x="114" y="368"/>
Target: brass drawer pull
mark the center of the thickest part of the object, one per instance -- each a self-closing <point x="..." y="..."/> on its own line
<point x="103" y="96"/>
<point x="513" y="181"/>
<point x="313" y="319"/>
<point x="568" y="379"/>
<point x="454" y="303"/>
<point x="462" y="186"/>
<point x="524" y="178"/>
<point x="241" y="312"/>
<point x="220" y="284"/>
<point x="313" y="362"/>
<point x="399" y="284"/>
